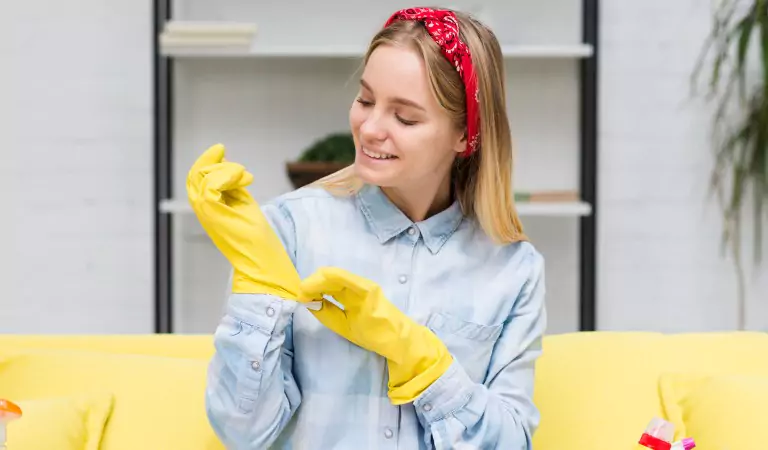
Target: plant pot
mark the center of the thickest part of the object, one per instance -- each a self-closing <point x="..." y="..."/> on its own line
<point x="304" y="173"/>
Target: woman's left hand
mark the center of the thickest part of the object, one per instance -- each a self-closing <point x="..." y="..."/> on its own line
<point x="415" y="355"/>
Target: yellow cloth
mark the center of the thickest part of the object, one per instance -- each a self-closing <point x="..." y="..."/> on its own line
<point x="718" y="412"/>
<point x="415" y="356"/>
<point x="159" y="401"/>
<point x="61" y="423"/>
<point x="234" y="222"/>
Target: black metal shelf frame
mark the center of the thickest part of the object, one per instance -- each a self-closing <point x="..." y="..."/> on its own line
<point x="162" y="92"/>
<point x="588" y="92"/>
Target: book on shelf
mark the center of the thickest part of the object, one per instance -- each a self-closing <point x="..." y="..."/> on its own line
<point x="546" y="196"/>
<point x="197" y="28"/>
<point x="184" y="34"/>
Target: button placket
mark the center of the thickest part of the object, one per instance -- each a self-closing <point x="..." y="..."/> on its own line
<point x="407" y="245"/>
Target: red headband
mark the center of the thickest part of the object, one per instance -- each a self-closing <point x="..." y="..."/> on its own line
<point x="444" y="29"/>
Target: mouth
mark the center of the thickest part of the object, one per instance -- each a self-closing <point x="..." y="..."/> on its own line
<point x="377" y="155"/>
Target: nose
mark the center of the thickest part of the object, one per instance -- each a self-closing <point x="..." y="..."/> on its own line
<point x="372" y="129"/>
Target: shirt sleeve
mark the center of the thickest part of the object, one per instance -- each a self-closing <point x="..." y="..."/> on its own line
<point x="251" y="394"/>
<point x="457" y="412"/>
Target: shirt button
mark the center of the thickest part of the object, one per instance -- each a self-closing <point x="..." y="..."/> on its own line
<point x="256" y="365"/>
<point x="411" y="231"/>
<point x="388" y="433"/>
<point x="427" y="407"/>
<point x="402" y="279"/>
<point x="270" y="311"/>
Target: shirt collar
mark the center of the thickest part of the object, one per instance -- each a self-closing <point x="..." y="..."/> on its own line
<point x="387" y="221"/>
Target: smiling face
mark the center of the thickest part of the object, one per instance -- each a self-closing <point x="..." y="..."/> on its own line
<point x="404" y="139"/>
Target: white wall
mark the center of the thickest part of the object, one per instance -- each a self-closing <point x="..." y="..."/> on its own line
<point x="659" y="247"/>
<point x="75" y="247"/>
<point x="76" y="236"/>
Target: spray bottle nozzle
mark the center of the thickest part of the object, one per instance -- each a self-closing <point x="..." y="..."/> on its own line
<point x="8" y="411"/>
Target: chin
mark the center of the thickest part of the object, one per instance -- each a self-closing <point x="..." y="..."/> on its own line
<point x="373" y="176"/>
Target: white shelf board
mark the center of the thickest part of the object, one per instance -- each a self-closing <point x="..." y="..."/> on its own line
<point x="554" y="209"/>
<point x="546" y="209"/>
<point x="342" y="51"/>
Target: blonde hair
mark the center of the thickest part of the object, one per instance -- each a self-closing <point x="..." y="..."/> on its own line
<point x="482" y="182"/>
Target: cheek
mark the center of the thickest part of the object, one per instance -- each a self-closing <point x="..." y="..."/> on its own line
<point x="420" y="143"/>
<point x="356" y="117"/>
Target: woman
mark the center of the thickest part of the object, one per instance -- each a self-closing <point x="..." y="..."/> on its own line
<point x="420" y="244"/>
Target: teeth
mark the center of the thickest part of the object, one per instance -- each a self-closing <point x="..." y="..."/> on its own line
<point x="376" y="155"/>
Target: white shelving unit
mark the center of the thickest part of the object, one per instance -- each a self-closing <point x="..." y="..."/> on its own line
<point x="267" y="97"/>
<point x="211" y="50"/>
<point x="542" y="209"/>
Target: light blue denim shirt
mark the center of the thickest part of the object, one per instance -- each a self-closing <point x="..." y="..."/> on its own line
<point x="280" y="379"/>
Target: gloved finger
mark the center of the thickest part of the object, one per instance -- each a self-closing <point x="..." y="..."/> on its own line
<point x="316" y="285"/>
<point x="214" y="155"/>
<point x="224" y="177"/>
<point x="340" y="277"/>
<point x="239" y="196"/>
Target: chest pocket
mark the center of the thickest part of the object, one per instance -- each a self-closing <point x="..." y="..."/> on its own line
<point x="470" y="343"/>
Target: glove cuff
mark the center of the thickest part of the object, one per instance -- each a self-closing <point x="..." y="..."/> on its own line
<point x="408" y="380"/>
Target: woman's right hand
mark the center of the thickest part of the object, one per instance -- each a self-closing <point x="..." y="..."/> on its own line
<point x="233" y="220"/>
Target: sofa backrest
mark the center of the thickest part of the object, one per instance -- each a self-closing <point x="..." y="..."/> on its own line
<point x="193" y="346"/>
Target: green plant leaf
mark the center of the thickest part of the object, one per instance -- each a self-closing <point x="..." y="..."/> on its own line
<point x="744" y="31"/>
<point x="335" y="147"/>
<point x="740" y="120"/>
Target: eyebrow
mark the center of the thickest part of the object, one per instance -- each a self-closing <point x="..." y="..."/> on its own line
<point x="400" y="100"/>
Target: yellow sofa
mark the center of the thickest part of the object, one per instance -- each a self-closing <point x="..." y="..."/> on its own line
<point x="596" y="391"/>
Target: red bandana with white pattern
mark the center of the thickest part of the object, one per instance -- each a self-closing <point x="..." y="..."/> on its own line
<point x="444" y="29"/>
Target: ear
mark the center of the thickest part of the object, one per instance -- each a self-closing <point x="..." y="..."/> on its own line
<point x="461" y="142"/>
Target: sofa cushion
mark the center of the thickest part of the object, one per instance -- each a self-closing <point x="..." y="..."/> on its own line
<point x="597" y="391"/>
<point x="61" y="423"/>
<point x="718" y="412"/>
<point x="158" y="400"/>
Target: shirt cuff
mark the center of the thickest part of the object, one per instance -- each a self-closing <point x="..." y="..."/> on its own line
<point x="446" y="395"/>
<point x="264" y="312"/>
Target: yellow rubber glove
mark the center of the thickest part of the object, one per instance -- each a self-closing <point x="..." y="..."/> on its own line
<point x="416" y="356"/>
<point x="233" y="220"/>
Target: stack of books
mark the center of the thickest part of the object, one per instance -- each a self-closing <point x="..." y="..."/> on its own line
<point x="207" y="36"/>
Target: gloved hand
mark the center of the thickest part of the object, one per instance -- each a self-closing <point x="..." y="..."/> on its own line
<point x="231" y="217"/>
<point x="416" y="356"/>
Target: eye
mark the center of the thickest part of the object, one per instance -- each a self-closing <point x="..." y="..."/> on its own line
<point x="405" y="122"/>
<point x="364" y="102"/>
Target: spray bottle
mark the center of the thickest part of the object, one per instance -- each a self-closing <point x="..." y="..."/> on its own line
<point x="658" y="435"/>
<point x="8" y="411"/>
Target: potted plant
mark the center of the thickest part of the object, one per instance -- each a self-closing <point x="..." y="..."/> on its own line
<point x="324" y="157"/>
<point x="738" y="84"/>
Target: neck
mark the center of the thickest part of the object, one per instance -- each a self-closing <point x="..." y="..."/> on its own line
<point x="421" y="202"/>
